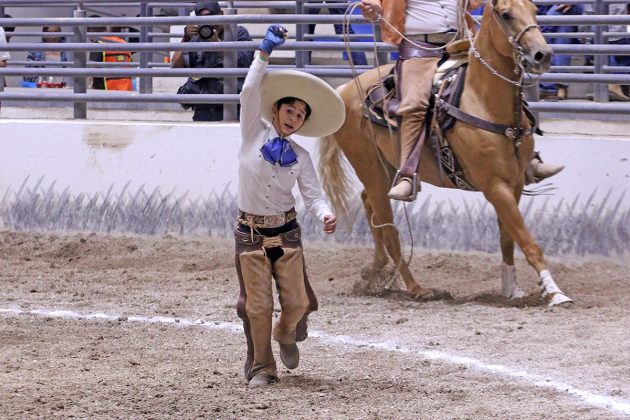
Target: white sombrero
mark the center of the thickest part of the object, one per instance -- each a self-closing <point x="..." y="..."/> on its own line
<point x="328" y="110"/>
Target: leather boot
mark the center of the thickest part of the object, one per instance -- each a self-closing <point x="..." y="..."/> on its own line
<point x="402" y="191"/>
<point x="538" y="170"/>
<point x="616" y="93"/>
<point x="290" y="355"/>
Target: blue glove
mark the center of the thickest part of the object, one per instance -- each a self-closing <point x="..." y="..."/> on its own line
<point x="276" y="34"/>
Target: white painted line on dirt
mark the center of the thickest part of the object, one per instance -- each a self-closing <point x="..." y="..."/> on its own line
<point x="602" y="401"/>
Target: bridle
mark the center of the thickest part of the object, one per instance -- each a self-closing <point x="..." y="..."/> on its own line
<point x="516" y="133"/>
<point x="517" y="51"/>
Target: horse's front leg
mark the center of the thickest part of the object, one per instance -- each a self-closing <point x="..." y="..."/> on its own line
<point x="509" y="287"/>
<point x="506" y="206"/>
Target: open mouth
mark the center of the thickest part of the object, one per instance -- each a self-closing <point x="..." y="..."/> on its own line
<point x="289" y="127"/>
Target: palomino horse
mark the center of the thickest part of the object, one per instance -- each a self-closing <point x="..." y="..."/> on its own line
<point x="509" y="41"/>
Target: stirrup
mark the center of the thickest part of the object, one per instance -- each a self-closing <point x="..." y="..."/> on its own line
<point x="414" y="186"/>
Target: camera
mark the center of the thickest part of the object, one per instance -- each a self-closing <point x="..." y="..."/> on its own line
<point x="206" y="31"/>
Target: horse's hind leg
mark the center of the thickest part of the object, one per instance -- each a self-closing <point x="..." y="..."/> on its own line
<point x="380" y="257"/>
<point x="505" y="203"/>
<point x="509" y="286"/>
<point x="382" y="220"/>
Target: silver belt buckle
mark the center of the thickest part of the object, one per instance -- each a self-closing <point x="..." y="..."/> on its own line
<point x="275" y="220"/>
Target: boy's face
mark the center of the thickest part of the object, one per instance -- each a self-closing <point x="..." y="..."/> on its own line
<point x="289" y="118"/>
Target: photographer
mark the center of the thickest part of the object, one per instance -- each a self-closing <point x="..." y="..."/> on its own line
<point x="208" y="59"/>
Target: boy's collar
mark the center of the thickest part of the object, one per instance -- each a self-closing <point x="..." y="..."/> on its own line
<point x="273" y="133"/>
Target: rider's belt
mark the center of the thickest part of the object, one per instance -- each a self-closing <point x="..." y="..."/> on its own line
<point x="439" y="38"/>
<point x="409" y="49"/>
<point x="266" y="222"/>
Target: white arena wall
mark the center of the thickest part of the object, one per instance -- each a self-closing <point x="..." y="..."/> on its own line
<point x="154" y="178"/>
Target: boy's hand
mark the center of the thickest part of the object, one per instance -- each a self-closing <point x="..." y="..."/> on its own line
<point x="330" y="223"/>
<point x="275" y="36"/>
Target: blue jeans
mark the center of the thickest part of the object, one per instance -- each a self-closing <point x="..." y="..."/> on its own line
<point x="560" y="59"/>
<point x="619" y="60"/>
<point x="358" y="58"/>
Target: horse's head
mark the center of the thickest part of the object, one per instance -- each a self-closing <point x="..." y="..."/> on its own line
<point x="516" y="33"/>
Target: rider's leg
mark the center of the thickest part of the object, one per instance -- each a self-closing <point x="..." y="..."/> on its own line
<point x="538" y="170"/>
<point x="415" y="81"/>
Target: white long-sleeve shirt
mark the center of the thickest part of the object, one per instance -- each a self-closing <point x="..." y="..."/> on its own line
<point x="430" y="16"/>
<point x="265" y="189"/>
<point x="4" y="55"/>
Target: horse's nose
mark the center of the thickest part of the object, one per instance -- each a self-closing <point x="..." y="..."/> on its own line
<point x="542" y="58"/>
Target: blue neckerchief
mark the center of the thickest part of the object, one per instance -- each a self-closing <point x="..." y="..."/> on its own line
<point x="279" y="150"/>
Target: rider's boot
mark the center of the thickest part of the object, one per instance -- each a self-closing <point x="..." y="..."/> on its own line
<point x="412" y="135"/>
<point x="403" y="190"/>
<point x="538" y="170"/>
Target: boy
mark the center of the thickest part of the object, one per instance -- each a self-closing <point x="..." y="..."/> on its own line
<point x="267" y="235"/>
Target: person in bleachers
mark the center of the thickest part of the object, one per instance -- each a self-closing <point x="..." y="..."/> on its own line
<point x="110" y="83"/>
<point x="557" y="90"/>
<point x="4" y="56"/>
<point x="616" y="91"/>
<point x="358" y="57"/>
<point x="59" y="56"/>
<point x="208" y="59"/>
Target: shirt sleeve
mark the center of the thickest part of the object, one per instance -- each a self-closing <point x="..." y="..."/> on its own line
<point x="251" y="121"/>
<point x="311" y="190"/>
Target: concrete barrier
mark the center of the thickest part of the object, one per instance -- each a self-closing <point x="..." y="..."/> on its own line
<point x="181" y="177"/>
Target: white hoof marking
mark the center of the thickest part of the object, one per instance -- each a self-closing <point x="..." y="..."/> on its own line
<point x="551" y="292"/>
<point x="509" y="287"/>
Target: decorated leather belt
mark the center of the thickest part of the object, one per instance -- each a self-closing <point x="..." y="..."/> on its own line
<point x="409" y="49"/>
<point x="438" y="38"/>
<point x="268" y="221"/>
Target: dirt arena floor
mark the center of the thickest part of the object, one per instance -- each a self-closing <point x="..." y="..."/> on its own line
<point x="96" y="326"/>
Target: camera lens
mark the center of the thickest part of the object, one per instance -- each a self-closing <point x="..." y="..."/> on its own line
<point x="205" y="31"/>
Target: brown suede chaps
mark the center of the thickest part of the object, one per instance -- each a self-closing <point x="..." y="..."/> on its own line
<point x="256" y="266"/>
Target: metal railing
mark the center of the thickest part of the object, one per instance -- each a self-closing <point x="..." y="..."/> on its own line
<point x="79" y="68"/>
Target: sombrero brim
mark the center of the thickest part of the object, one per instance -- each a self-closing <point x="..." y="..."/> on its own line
<point x="328" y="110"/>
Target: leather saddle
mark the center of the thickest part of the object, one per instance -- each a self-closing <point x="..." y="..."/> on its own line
<point x="382" y="103"/>
<point x="381" y="99"/>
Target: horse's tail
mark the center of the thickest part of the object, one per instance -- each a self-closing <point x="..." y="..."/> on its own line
<point x="334" y="175"/>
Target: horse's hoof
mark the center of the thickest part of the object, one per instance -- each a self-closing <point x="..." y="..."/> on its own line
<point x="517" y="294"/>
<point x="561" y="300"/>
